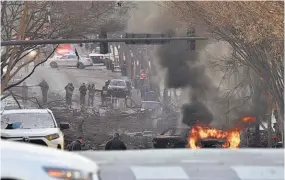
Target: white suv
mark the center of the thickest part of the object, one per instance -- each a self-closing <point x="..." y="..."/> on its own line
<point x="71" y="61"/>
<point x="27" y="162"/>
<point x="37" y="126"/>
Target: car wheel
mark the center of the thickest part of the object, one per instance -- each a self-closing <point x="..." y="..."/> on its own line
<point x="53" y="65"/>
<point x="80" y="65"/>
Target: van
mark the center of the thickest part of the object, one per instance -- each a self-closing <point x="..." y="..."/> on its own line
<point x="98" y="59"/>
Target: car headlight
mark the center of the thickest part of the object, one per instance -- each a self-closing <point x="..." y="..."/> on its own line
<point x="52" y="136"/>
<point x="69" y="174"/>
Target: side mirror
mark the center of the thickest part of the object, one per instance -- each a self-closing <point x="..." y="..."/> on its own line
<point x="64" y="125"/>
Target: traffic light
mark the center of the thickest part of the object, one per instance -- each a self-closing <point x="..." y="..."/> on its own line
<point x="191" y="33"/>
<point x="104" y="48"/>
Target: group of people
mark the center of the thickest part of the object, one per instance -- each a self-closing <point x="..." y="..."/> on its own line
<point x="113" y="144"/>
<point x="69" y="88"/>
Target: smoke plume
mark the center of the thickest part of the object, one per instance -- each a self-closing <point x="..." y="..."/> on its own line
<point x="182" y="66"/>
<point x="184" y="70"/>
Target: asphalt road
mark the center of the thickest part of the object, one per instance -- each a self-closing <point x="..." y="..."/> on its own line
<point x="206" y="164"/>
<point x="60" y="77"/>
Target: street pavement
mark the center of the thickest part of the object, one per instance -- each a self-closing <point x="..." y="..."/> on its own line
<point x="187" y="164"/>
<point x="58" y="78"/>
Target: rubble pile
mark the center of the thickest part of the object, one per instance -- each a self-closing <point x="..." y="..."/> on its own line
<point x="98" y="128"/>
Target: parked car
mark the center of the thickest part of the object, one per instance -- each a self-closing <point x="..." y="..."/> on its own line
<point x="71" y="61"/>
<point x="36" y="126"/>
<point x="155" y="109"/>
<point x="27" y="161"/>
<point x="118" y="88"/>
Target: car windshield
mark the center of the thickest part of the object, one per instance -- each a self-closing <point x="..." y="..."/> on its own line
<point x="28" y="120"/>
<point x="179" y="132"/>
<point x="117" y="83"/>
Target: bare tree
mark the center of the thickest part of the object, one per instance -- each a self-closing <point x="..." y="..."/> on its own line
<point x="46" y="20"/>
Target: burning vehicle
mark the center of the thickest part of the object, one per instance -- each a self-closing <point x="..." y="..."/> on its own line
<point x="197" y="137"/>
<point x="201" y="137"/>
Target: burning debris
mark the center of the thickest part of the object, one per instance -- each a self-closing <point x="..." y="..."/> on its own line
<point x="249" y="119"/>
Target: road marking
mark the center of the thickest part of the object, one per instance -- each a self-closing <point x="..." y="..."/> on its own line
<point x="259" y="172"/>
<point x="159" y="172"/>
<point x="200" y="161"/>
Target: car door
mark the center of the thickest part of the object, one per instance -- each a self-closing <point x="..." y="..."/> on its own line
<point x="72" y="60"/>
<point x="62" y="61"/>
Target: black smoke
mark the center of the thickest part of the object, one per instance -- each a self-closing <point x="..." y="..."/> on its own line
<point x="184" y="70"/>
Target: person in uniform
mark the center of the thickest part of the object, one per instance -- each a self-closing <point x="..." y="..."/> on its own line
<point x="76" y="145"/>
<point x="104" y="92"/>
<point x="44" y="87"/>
<point x="69" y="92"/>
<point x="91" y="94"/>
<point x="82" y="90"/>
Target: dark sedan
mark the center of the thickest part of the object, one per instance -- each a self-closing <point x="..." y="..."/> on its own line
<point x="178" y="138"/>
<point x="118" y="88"/>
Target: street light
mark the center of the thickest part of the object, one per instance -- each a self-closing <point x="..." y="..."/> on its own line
<point x="33" y="54"/>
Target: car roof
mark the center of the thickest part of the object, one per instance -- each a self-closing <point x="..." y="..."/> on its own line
<point x="96" y="54"/>
<point x="16" y="111"/>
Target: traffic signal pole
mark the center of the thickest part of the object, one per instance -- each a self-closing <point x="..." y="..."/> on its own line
<point x="76" y="41"/>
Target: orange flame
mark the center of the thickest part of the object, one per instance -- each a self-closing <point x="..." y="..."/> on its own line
<point x="198" y="132"/>
<point x="249" y="119"/>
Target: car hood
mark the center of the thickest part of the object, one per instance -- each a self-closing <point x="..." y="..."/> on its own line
<point x="28" y="132"/>
<point x="44" y="156"/>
